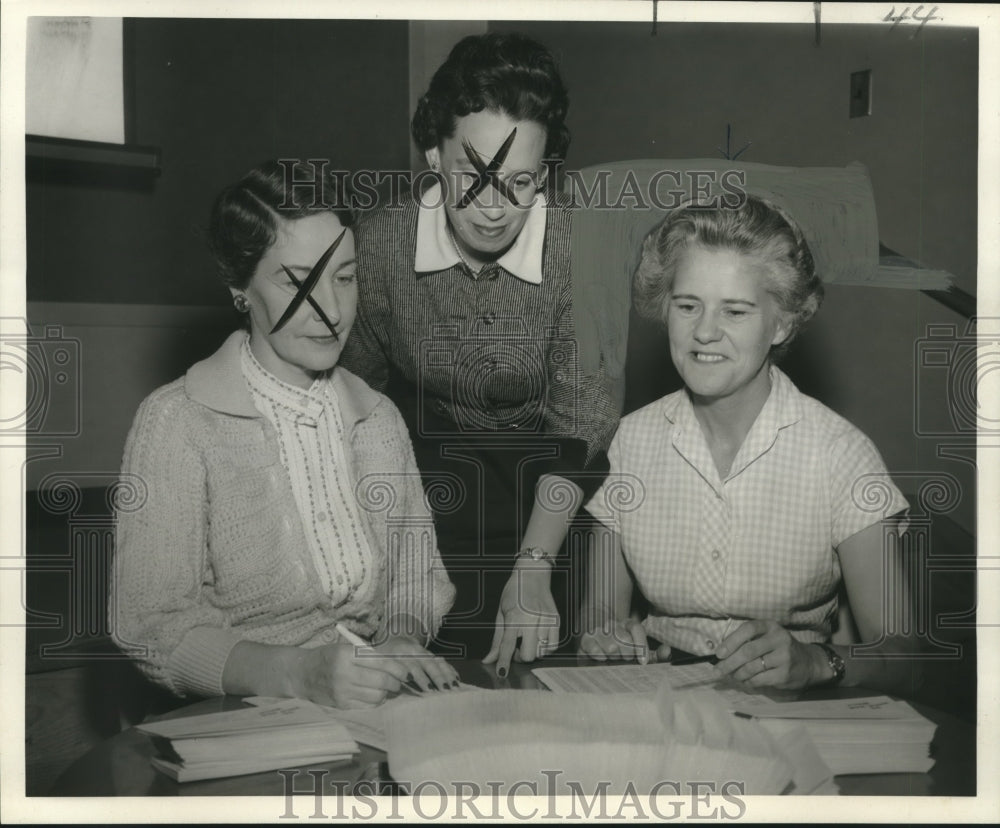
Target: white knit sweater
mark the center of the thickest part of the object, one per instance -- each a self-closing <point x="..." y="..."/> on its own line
<point x="216" y="553"/>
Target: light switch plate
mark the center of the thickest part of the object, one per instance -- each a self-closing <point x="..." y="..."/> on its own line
<point x="861" y="93"/>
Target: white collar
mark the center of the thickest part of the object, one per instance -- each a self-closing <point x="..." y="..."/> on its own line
<point x="435" y="250"/>
<point x="296" y="402"/>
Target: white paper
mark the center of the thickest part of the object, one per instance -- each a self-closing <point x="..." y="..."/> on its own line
<point x="74" y="83"/>
<point x="624" y="678"/>
<point x="282" y="713"/>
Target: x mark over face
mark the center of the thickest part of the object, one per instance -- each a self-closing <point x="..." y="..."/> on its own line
<point x="304" y="289"/>
<point x="487" y="173"/>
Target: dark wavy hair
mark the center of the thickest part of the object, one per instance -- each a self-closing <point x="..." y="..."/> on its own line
<point x="756" y="228"/>
<point x="507" y="73"/>
<point x="245" y="216"/>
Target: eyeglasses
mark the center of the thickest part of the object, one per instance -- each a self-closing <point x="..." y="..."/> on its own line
<point x="518" y="188"/>
<point x="522" y="185"/>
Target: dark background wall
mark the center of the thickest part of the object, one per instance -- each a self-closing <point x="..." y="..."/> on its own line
<point x="217" y="97"/>
<point x="633" y="95"/>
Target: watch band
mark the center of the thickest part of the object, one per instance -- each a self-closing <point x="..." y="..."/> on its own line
<point x="836" y="662"/>
<point x="536" y="553"/>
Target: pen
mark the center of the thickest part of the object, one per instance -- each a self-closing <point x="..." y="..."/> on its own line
<point x="353" y="638"/>
<point x="711" y="659"/>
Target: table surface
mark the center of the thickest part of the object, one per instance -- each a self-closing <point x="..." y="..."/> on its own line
<point x="120" y="766"/>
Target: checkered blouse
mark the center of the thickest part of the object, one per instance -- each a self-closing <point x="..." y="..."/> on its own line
<point x="709" y="553"/>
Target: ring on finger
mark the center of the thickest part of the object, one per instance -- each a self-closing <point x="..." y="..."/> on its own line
<point x="763" y="664"/>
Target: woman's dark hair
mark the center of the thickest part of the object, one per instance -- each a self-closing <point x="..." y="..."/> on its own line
<point x="756" y="228"/>
<point x="245" y="216"/>
<point x="507" y="73"/>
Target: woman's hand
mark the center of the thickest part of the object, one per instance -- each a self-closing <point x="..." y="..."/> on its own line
<point x="613" y="639"/>
<point x="527" y="611"/>
<point x="764" y="654"/>
<point x="430" y="672"/>
<point x="344" y="675"/>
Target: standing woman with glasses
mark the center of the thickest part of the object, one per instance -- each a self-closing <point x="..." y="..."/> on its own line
<point x="466" y="322"/>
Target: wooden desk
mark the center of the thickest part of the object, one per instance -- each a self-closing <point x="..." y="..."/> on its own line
<point x="120" y="766"/>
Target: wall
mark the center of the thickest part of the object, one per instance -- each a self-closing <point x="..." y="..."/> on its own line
<point x="637" y="96"/>
<point x="119" y="264"/>
<point x="430" y="42"/>
<point x="633" y="95"/>
<point x="118" y="354"/>
<point x="217" y="97"/>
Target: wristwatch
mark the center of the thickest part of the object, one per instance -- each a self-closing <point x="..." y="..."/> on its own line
<point x="836" y="663"/>
<point x="536" y="553"/>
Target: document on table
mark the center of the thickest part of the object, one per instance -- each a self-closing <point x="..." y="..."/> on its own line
<point x="367" y="724"/>
<point x="625" y="678"/>
<point x="271" y="713"/>
<point x="871" y="707"/>
<point x="248" y="740"/>
<point x="500" y="740"/>
<point x="638" y="678"/>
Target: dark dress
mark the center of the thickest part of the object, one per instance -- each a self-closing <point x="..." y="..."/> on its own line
<point x="484" y="370"/>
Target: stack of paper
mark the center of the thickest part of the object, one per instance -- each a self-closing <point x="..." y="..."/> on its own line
<point x="860" y="735"/>
<point x="366" y="724"/>
<point x="535" y="742"/>
<point x="864" y="735"/>
<point x="284" y="733"/>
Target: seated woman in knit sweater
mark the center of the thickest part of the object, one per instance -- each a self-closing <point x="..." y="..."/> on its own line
<point x="283" y="501"/>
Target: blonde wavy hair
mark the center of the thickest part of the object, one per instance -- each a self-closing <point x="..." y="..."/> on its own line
<point x="756" y="228"/>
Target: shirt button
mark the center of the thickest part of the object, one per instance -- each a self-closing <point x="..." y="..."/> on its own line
<point x="488" y="318"/>
<point x="715" y="552"/>
<point x="710" y="644"/>
<point x="322" y="517"/>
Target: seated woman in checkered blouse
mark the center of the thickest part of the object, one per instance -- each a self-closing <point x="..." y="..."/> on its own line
<point x="256" y="555"/>
<point x="738" y="505"/>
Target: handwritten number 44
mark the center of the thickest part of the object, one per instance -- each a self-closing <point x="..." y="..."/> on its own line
<point x="917" y="16"/>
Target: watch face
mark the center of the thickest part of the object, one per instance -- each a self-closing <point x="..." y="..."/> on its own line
<point x="836" y="663"/>
<point x="536" y="553"/>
